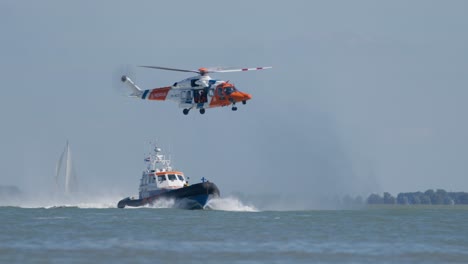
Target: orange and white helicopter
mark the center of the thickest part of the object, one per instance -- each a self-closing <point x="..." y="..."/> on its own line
<point x="199" y="92"/>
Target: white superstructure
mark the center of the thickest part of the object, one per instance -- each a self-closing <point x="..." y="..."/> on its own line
<point x="159" y="176"/>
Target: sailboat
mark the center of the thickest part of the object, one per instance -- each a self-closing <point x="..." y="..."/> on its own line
<point x="69" y="182"/>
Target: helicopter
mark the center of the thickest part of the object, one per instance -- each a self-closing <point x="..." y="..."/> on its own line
<point x="198" y="92"/>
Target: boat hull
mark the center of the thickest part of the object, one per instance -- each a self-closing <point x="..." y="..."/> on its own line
<point x="191" y="197"/>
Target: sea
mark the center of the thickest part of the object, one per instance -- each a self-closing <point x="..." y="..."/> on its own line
<point x="230" y="231"/>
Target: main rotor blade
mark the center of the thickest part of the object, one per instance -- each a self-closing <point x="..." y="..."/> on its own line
<point x="239" y="70"/>
<point x="169" y="69"/>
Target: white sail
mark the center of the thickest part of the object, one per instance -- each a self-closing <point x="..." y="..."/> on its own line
<point x="59" y="166"/>
<point x="68" y="170"/>
<point x="69" y="180"/>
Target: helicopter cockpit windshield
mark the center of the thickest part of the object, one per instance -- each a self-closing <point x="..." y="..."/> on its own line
<point x="230" y="90"/>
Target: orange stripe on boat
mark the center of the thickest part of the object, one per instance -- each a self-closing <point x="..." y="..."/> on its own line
<point x="169" y="172"/>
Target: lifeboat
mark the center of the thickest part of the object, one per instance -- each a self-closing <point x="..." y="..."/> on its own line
<point x="160" y="181"/>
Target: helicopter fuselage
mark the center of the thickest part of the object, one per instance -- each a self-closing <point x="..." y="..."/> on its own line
<point x="199" y="92"/>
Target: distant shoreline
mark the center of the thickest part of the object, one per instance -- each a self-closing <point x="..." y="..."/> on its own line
<point x="429" y="197"/>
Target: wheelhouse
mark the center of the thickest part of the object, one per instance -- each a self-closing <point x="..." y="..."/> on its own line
<point x="170" y="179"/>
<point x="159" y="175"/>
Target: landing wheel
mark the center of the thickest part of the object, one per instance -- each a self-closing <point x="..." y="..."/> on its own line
<point x="202" y="111"/>
<point x="244" y="102"/>
<point x="234" y="108"/>
<point x="186" y="111"/>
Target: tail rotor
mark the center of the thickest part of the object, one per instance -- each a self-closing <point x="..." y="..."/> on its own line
<point x="119" y="77"/>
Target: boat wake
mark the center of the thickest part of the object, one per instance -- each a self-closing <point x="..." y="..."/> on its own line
<point x="229" y="204"/>
<point x="85" y="205"/>
<point x="78" y="201"/>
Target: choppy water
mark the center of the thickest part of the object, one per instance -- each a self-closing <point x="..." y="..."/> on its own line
<point x="242" y="235"/>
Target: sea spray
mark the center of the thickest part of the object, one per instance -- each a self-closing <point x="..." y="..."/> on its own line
<point x="161" y="203"/>
<point x="78" y="200"/>
<point x="229" y="204"/>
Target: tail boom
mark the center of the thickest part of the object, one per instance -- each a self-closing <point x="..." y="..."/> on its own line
<point x="158" y="94"/>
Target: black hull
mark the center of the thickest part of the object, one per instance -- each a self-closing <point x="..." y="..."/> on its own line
<point x="191" y="197"/>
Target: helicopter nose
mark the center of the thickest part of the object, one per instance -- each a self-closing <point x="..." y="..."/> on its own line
<point x="239" y="96"/>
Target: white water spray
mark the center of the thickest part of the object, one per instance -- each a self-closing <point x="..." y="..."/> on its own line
<point x="162" y="203"/>
<point x="229" y="204"/>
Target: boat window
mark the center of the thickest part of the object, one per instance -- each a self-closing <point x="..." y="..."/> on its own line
<point x="161" y="178"/>
<point x="181" y="178"/>
<point x="172" y="177"/>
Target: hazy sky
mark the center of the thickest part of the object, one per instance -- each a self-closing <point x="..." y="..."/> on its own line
<point x="364" y="96"/>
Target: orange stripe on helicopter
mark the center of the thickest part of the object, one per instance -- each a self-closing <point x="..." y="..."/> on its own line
<point x="159" y="93"/>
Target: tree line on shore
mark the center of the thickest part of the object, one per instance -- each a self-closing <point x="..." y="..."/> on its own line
<point x="437" y="197"/>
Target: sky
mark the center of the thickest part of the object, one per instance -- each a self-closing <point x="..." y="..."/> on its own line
<point x="363" y="96"/>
